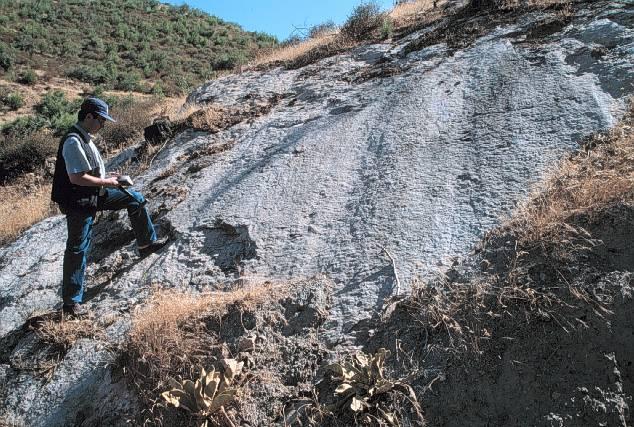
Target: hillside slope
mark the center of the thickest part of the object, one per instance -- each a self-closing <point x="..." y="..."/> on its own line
<point x="123" y="44"/>
<point x="390" y="158"/>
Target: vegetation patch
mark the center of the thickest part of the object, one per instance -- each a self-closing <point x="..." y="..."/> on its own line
<point x="262" y="337"/>
<point x="461" y="28"/>
<point x="356" y="391"/>
<point x="23" y="204"/>
<point x="123" y="45"/>
<point x="585" y="184"/>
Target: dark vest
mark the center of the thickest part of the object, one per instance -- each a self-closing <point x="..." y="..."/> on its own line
<point x="66" y="194"/>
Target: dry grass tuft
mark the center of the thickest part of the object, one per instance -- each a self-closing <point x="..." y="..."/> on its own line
<point x="289" y="53"/>
<point x="600" y="175"/>
<point x="169" y="336"/>
<point x="23" y="204"/>
<point x="176" y="109"/>
<point x="463" y="314"/>
<point x="212" y="118"/>
<point x="413" y="8"/>
<point x="65" y="333"/>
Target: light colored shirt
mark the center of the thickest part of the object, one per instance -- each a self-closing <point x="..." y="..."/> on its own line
<point x="75" y="156"/>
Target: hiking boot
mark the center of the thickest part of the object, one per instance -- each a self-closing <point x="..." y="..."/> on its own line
<point x="153" y="247"/>
<point x="74" y="311"/>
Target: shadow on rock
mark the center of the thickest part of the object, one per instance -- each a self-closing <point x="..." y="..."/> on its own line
<point x="229" y="245"/>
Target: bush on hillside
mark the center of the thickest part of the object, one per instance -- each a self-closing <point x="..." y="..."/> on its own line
<point x="13" y="100"/>
<point x="132" y="117"/>
<point x="320" y="29"/>
<point x="157" y="90"/>
<point x="58" y="111"/>
<point x="387" y="28"/>
<point x="22" y="127"/>
<point x="27" y="77"/>
<point x="6" y="57"/>
<point x="228" y="61"/>
<point x="90" y="74"/>
<point x="24" y="154"/>
<point x="364" y="19"/>
<point x="128" y="81"/>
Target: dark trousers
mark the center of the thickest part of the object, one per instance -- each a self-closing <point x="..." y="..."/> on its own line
<point x="80" y="224"/>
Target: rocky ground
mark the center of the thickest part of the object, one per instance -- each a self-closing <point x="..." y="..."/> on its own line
<point x="356" y="175"/>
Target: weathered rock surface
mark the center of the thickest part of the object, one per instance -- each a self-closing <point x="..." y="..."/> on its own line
<point x="353" y="159"/>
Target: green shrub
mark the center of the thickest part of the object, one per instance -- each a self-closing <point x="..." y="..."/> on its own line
<point x="228" y="61"/>
<point x="264" y="40"/>
<point x="6" y="57"/>
<point x="365" y="18"/>
<point x="23" y="126"/>
<point x="128" y="81"/>
<point x="27" y="153"/>
<point x="157" y="90"/>
<point x="60" y="123"/>
<point x="27" y="77"/>
<point x="53" y="103"/>
<point x="59" y="112"/>
<point x="14" y="101"/>
<point x="97" y="92"/>
<point x="90" y="74"/>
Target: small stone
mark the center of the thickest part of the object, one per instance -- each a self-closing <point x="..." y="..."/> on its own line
<point x="246" y="344"/>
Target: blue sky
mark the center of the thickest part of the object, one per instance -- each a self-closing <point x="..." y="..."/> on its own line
<point x="279" y="17"/>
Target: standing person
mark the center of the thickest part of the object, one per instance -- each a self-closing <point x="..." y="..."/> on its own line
<point x="81" y="187"/>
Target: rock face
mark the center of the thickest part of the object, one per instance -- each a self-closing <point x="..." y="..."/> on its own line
<point x="379" y="152"/>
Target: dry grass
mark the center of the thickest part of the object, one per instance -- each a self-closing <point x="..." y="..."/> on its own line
<point x="23" y="204"/>
<point x="131" y="119"/>
<point x="212" y="118"/>
<point x="176" y="109"/>
<point x="462" y="315"/>
<point x="65" y="333"/>
<point x="406" y="13"/>
<point x="287" y="54"/>
<point x="167" y="335"/>
<point x="582" y="184"/>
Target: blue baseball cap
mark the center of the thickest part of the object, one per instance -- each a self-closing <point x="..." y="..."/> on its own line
<point x="97" y="106"/>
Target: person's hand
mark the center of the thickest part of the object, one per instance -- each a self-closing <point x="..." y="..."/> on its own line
<point x="111" y="182"/>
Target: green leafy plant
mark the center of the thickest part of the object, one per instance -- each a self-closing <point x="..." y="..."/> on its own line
<point x="59" y="111"/>
<point x="6" y="57"/>
<point x="14" y="101"/>
<point x="23" y="126"/>
<point x="360" y="385"/>
<point x="27" y="77"/>
<point x="208" y="394"/>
